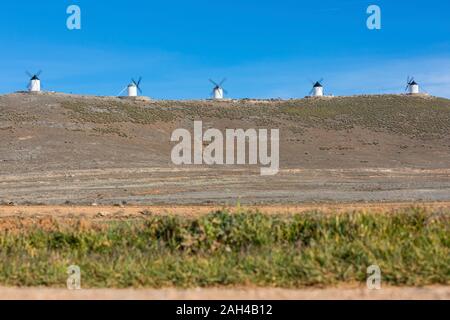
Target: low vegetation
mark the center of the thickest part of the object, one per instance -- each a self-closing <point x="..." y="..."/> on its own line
<point x="107" y="112"/>
<point x="416" y="117"/>
<point x="411" y="247"/>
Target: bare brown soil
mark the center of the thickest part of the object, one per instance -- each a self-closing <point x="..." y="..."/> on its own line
<point x="61" y="149"/>
<point x="130" y="212"/>
<point x="345" y="293"/>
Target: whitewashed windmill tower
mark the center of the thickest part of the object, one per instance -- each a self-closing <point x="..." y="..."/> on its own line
<point x="218" y="91"/>
<point x="133" y="88"/>
<point x="317" y="90"/>
<point x="412" y="86"/>
<point x="35" y="82"/>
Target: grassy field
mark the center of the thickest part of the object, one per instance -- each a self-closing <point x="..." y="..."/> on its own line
<point x="412" y="247"/>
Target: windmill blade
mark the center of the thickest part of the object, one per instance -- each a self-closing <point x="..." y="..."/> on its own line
<point x="120" y="93"/>
<point x="321" y="80"/>
<point x="222" y="82"/>
<point x="408" y="83"/>
<point x="137" y="84"/>
<point x="213" y="82"/>
<point x="38" y="73"/>
<point x="408" y="86"/>
<point x="311" y="92"/>
<point x="29" y="74"/>
<point x="225" y="91"/>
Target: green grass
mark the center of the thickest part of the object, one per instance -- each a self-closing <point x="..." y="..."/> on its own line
<point x="222" y="249"/>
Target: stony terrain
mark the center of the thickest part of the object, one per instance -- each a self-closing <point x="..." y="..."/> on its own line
<point x="63" y="149"/>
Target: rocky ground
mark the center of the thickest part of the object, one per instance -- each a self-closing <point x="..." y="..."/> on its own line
<point x="62" y="149"/>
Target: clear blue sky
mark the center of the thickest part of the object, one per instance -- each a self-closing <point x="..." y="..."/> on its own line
<point x="264" y="48"/>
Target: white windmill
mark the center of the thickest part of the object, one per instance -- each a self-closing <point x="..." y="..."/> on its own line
<point x="218" y="91"/>
<point x="412" y="86"/>
<point x="35" y="83"/>
<point x="133" y="88"/>
<point x="317" y="90"/>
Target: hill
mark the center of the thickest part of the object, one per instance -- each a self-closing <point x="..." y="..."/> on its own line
<point x="59" y="148"/>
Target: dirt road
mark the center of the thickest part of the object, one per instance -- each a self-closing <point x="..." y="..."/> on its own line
<point x="426" y="293"/>
<point x="130" y="212"/>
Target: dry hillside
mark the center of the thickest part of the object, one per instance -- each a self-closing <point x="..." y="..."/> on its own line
<point x="58" y="149"/>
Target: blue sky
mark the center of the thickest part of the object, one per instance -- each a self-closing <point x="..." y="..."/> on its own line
<point x="265" y="48"/>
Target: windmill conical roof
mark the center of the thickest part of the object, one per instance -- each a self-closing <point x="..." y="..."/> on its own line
<point x="317" y="85"/>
